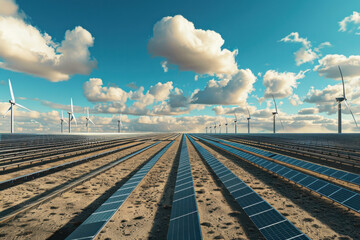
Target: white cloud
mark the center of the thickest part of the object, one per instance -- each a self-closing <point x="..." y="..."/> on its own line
<point x="227" y="91"/>
<point x="23" y="48"/>
<point x="306" y="53"/>
<point x="353" y="19"/>
<point x="306" y="111"/>
<point x="164" y="66"/>
<point x="295" y="100"/>
<point x="161" y="91"/>
<point x="180" y="43"/>
<point x="281" y="85"/>
<point x="328" y="66"/>
<point x="95" y="92"/>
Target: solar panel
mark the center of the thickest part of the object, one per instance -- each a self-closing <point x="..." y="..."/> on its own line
<point x="327" y="171"/>
<point x="98" y="219"/>
<point x="184" y="220"/>
<point x="268" y="220"/>
<point x="338" y="194"/>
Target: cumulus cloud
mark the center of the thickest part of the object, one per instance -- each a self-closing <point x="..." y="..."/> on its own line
<point x="180" y="43"/>
<point x="328" y="66"/>
<point x="233" y="90"/>
<point x="306" y="53"/>
<point x="161" y="91"/>
<point x="281" y="85"/>
<point x="95" y="92"/>
<point x="295" y="100"/>
<point x="164" y="66"/>
<point x="307" y="111"/>
<point x="353" y="20"/>
<point x="24" y="48"/>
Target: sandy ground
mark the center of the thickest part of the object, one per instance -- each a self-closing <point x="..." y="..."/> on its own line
<point x="60" y="216"/>
<point x="220" y="216"/>
<point x="146" y="213"/>
<point x="317" y="217"/>
<point x="25" y="169"/>
<point x="24" y="192"/>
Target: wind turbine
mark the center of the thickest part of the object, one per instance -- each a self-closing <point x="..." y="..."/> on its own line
<point x="62" y="120"/>
<point x="215" y="127"/>
<point x="226" y="124"/>
<point x="220" y="127"/>
<point x="248" y="119"/>
<point x="119" y="124"/>
<point x="71" y="115"/>
<point x="206" y="129"/>
<point x="339" y="100"/>
<point x="235" y="121"/>
<point x="88" y="119"/>
<point x="210" y="129"/>
<point x="274" y="115"/>
<point x="12" y="104"/>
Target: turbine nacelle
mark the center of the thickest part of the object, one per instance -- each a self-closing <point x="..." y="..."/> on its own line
<point x="340" y="99"/>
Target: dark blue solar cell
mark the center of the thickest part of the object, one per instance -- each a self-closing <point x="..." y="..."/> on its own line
<point x="299" y="177"/>
<point x="313" y="167"/>
<point x="329" y="189"/>
<point x="353" y="202"/>
<point x="290" y="174"/>
<point x="267" y="218"/>
<point x="232" y="182"/>
<point x="183" y="193"/>
<point x="356" y="181"/>
<point x="317" y="185"/>
<point x="284" y="171"/>
<point x="86" y="230"/>
<point x="349" y="177"/>
<point x="321" y="169"/>
<point x="283" y="230"/>
<point x="342" y="195"/>
<point x="330" y="171"/>
<point x="256" y="208"/>
<point x="338" y="174"/>
<point x="308" y="180"/>
<point x="249" y="200"/>
<point x="228" y="177"/>
<point x="241" y="192"/>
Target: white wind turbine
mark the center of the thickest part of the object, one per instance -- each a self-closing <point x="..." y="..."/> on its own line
<point x="206" y="129"/>
<point x="119" y="124"/>
<point x="274" y="116"/>
<point x="11" y="108"/>
<point x="71" y="115"/>
<point x="339" y="100"/>
<point x="226" y="125"/>
<point x="210" y="129"/>
<point x="220" y="127"/>
<point x="215" y="127"/>
<point x="88" y="120"/>
<point x="248" y="119"/>
<point x="62" y="120"/>
<point x="235" y="121"/>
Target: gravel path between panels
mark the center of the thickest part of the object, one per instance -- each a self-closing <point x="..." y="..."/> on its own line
<point x="317" y="217"/>
<point x="220" y="216"/>
<point x="137" y="217"/>
<point x="42" y="222"/>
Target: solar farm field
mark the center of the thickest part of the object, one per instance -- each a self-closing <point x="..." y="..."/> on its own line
<point x="179" y="186"/>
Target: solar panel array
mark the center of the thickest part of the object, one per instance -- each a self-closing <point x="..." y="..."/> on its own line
<point x="98" y="219"/>
<point x="336" y="193"/>
<point x="184" y="220"/>
<point x="268" y="220"/>
<point x="327" y="171"/>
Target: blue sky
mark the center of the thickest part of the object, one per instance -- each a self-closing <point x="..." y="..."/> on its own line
<point x="121" y="31"/>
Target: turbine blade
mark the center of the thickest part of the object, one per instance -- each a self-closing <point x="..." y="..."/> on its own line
<point x="248" y="111"/>
<point x="274" y="103"/>
<point x="11" y="92"/>
<point x="71" y="105"/>
<point x="16" y="104"/>
<point x="282" y="125"/>
<point x="8" y="110"/>
<point x="73" y="117"/>
<point x="235" y="116"/>
<point x="91" y="121"/>
<point x="87" y="111"/>
<point x="347" y="105"/>
<point x="62" y="115"/>
<point x="342" y="79"/>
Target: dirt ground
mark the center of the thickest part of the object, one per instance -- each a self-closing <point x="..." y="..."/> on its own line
<point x="146" y="213"/>
<point x="317" y="217"/>
<point x="74" y="205"/>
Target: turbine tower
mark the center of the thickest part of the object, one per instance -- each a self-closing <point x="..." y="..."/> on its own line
<point x="274" y="116"/>
<point x="220" y="127"/>
<point x="11" y="108"/>
<point x="226" y="124"/>
<point x="235" y="121"/>
<point x="88" y="119"/>
<point x="62" y="120"/>
<point x="215" y="127"/>
<point x="206" y="129"/>
<point x="210" y="129"/>
<point x="339" y="100"/>
<point x="248" y="119"/>
<point x="71" y="115"/>
<point x="119" y="124"/>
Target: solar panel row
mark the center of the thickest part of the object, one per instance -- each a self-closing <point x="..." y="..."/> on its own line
<point x="338" y="194"/>
<point x="98" y="219"/>
<point x="184" y="220"/>
<point x="327" y="171"/>
<point x="268" y="220"/>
